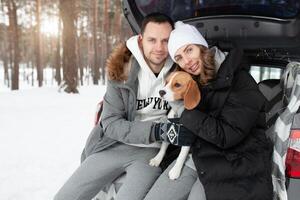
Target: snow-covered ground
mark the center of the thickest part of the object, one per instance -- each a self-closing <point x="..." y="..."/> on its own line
<point x="42" y="133"/>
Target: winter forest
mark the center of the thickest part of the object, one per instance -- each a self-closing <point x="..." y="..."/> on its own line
<point x="48" y="46"/>
<point x="58" y="42"/>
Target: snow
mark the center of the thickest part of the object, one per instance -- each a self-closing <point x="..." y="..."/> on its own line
<point x="42" y="133"/>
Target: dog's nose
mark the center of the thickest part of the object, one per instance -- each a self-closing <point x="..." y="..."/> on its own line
<point x="162" y="93"/>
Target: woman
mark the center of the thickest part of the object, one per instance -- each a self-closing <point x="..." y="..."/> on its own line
<point x="231" y="153"/>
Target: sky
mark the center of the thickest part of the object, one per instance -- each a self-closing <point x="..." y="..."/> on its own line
<point x="42" y="134"/>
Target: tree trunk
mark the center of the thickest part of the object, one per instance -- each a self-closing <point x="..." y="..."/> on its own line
<point x="5" y="64"/>
<point x="10" y="54"/>
<point x="57" y="56"/>
<point x="4" y="57"/>
<point x="4" y="51"/>
<point x="79" y="55"/>
<point x="67" y="10"/>
<point x="79" y="60"/>
<point x="96" y="73"/>
<point x="39" y="68"/>
<point x="117" y="21"/>
<point x="13" y="26"/>
<point x="105" y="32"/>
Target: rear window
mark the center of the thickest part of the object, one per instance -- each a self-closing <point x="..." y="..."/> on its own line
<point x="187" y="9"/>
<point x="260" y="73"/>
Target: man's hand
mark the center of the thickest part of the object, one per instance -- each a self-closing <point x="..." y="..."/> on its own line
<point x="173" y="132"/>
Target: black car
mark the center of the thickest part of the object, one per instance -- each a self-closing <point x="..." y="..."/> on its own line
<point x="268" y="31"/>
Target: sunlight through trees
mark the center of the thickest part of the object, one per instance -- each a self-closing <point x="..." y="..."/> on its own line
<point x="74" y="43"/>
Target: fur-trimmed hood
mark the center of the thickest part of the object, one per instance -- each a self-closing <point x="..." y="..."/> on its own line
<point x="117" y="64"/>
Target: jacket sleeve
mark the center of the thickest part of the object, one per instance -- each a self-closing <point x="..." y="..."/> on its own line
<point x="115" y="120"/>
<point x="238" y="116"/>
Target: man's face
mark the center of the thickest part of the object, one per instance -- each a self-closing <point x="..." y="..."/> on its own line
<point x="154" y="44"/>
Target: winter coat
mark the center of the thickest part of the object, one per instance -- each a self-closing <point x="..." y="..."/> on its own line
<point x="231" y="153"/>
<point x="117" y="118"/>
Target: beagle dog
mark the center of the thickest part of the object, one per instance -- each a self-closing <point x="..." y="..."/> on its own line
<point x="182" y="92"/>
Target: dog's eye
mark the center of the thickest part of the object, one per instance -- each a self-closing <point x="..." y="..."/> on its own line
<point x="177" y="85"/>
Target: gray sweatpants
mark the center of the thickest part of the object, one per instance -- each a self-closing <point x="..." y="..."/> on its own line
<point x="104" y="167"/>
<point x="186" y="187"/>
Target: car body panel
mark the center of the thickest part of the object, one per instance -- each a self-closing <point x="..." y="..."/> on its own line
<point x="294" y="189"/>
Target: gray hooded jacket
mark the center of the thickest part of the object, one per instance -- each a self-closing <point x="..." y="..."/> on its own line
<point x="117" y="118"/>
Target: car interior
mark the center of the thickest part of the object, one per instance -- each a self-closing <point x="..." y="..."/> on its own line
<point x="269" y="33"/>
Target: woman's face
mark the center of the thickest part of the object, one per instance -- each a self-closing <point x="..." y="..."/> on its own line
<point x="188" y="58"/>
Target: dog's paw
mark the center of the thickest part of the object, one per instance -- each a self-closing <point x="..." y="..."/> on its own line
<point x="155" y="161"/>
<point x="174" y="173"/>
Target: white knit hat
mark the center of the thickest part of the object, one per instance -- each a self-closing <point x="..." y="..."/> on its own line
<point x="184" y="34"/>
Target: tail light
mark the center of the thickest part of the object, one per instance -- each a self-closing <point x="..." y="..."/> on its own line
<point x="292" y="161"/>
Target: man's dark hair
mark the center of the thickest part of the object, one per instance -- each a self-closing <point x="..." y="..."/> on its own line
<point x="156" y="17"/>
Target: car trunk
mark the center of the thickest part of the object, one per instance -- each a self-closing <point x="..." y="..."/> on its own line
<point x="268" y="31"/>
<point x="257" y="26"/>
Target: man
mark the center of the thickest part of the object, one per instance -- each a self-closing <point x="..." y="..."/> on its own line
<point x="125" y="140"/>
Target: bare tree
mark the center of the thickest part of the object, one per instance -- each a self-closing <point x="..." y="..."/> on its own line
<point x="117" y="22"/>
<point x="98" y="24"/>
<point x="14" y="42"/>
<point x="4" y="49"/>
<point x="67" y="11"/>
<point x="57" y="60"/>
<point x="105" y="31"/>
<point x="38" y="51"/>
<point x="96" y="73"/>
<point x="4" y="56"/>
<point x="5" y="63"/>
<point x="79" y="50"/>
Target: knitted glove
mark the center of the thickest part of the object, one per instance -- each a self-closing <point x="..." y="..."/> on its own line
<point x="173" y="132"/>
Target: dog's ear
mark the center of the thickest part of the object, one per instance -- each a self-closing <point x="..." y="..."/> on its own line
<point x="192" y="95"/>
